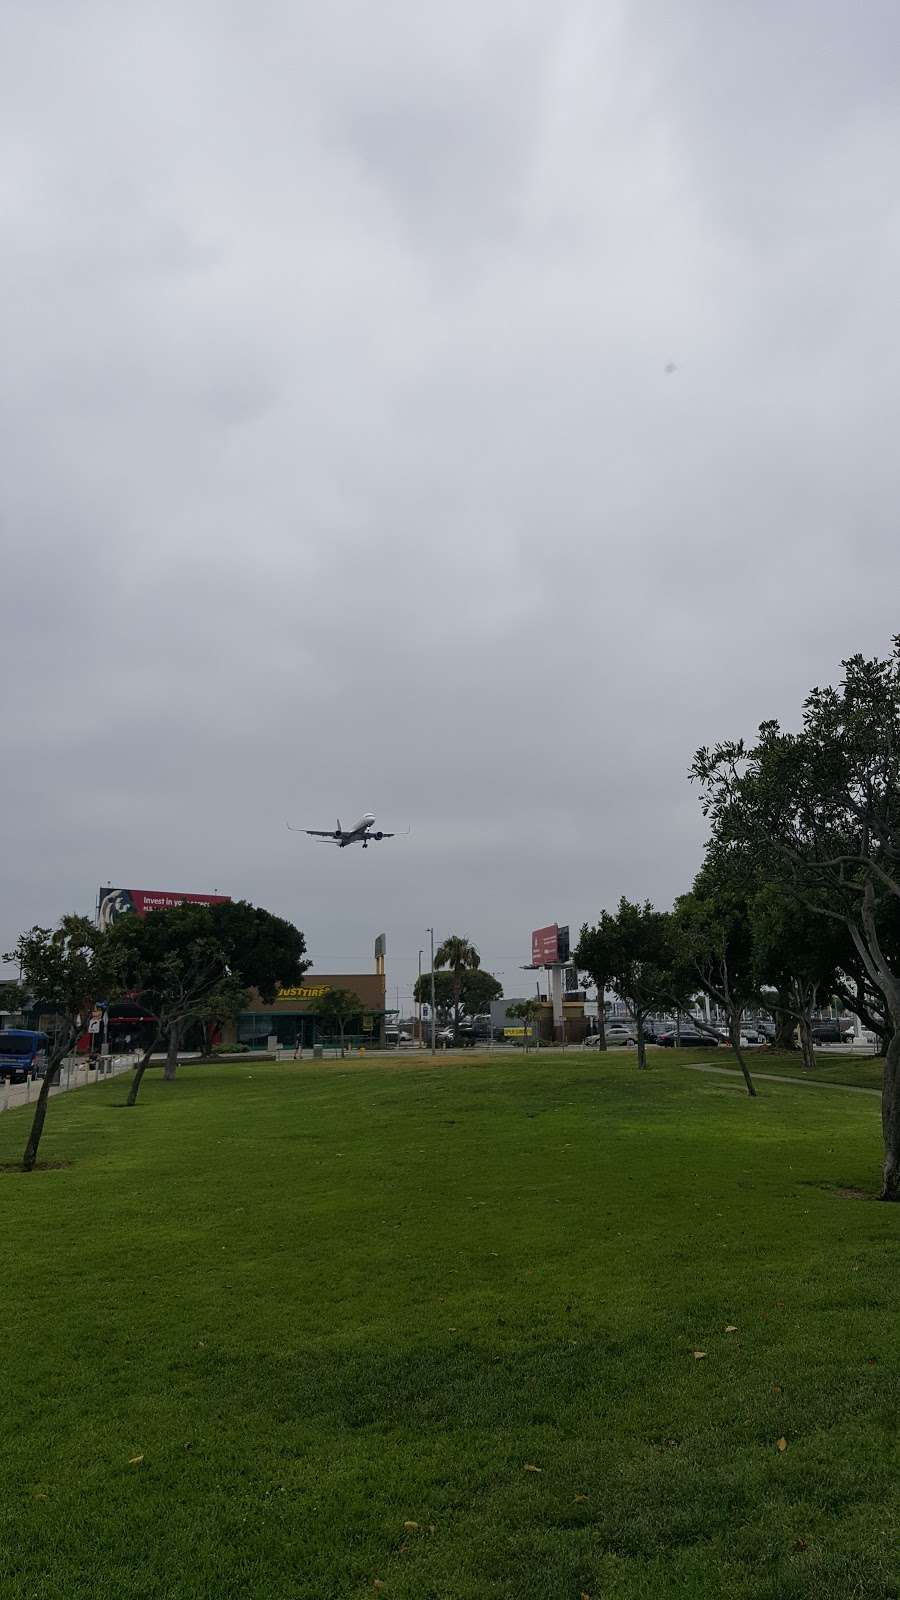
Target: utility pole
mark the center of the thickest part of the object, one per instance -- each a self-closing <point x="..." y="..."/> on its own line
<point x="419" y="1004"/>
<point x="433" y="1021"/>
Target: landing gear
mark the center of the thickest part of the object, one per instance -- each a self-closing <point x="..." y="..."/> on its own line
<point x="365" y="844"/>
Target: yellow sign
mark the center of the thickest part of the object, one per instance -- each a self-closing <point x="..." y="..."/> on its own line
<point x="516" y="1033"/>
<point x="304" y="991"/>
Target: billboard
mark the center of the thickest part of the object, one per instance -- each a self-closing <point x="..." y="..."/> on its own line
<point x="550" y="946"/>
<point x="115" y="903"/>
<point x="545" y="946"/>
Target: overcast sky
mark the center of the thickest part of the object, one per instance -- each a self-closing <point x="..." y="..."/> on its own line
<point x="341" y="466"/>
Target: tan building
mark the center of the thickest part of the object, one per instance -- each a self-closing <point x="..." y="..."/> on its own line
<point x="289" y="1019"/>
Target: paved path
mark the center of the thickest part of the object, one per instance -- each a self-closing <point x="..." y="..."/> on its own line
<point x="73" y="1076"/>
<point x="775" y="1077"/>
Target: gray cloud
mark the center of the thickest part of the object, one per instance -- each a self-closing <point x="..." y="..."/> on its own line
<point x="341" y="465"/>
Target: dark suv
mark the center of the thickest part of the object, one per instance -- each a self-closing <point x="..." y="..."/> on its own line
<point x="831" y="1032"/>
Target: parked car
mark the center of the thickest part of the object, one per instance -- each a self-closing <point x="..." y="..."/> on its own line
<point x="831" y="1032"/>
<point x="689" y="1039"/>
<point x="616" y="1033"/>
<point x="466" y="1038"/>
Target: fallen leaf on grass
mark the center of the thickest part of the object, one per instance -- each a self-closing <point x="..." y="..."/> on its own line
<point x="782" y="1445"/>
<point x="529" y="1468"/>
<point x="800" y="1544"/>
<point x="135" y="1461"/>
<point x="581" y="1499"/>
<point x="776" y="1388"/>
<point x="731" y="1327"/>
<point x="410" y="1527"/>
<point x="377" y="1583"/>
<point x="699" y="1355"/>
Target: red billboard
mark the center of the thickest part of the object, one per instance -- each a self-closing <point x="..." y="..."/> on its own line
<point x="115" y="903"/>
<point x="545" y="946"/>
<point x="550" y="946"/>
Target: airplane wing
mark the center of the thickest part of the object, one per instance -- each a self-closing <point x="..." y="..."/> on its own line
<point x="317" y="833"/>
<point x="383" y="835"/>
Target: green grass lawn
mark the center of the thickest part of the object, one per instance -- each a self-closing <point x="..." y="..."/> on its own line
<point x="305" y="1331"/>
<point x="862" y="1072"/>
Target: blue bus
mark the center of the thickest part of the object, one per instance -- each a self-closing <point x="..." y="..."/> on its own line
<point x="23" y="1054"/>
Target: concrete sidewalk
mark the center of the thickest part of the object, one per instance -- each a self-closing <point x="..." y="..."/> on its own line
<point x="73" y="1074"/>
<point x="774" y="1077"/>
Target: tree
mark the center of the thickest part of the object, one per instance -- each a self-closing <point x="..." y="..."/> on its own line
<point x="67" y="970"/>
<point x="820" y="809"/>
<point x="528" y="1011"/>
<point x="476" y="991"/>
<point x="460" y="956"/>
<point x="712" y="931"/>
<point x="852" y="985"/>
<point x="595" y="954"/>
<point x="641" y="955"/>
<point x="334" y="1009"/>
<point x="12" y="997"/>
<point x="195" y="963"/>
<point x="797" y="952"/>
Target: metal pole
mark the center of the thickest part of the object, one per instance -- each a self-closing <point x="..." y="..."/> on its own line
<point x="419" y="1004"/>
<point x="433" y="1020"/>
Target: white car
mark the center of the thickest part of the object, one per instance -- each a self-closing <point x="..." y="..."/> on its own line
<point x="616" y="1033"/>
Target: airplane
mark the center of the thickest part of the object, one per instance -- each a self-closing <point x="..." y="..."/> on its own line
<point x="361" y="832"/>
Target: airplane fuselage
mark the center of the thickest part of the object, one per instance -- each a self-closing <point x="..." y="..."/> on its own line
<point x="357" y="834"/>
<point x="361" y="833"/>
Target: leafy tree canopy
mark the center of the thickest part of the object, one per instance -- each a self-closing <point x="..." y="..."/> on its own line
<point x="820" y="811"/>
<point x="476" y="991"/>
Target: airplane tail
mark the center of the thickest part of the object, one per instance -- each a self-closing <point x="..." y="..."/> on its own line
<point x="339" y="828"/>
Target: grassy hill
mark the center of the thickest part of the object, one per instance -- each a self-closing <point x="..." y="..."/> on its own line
<point x="529" y="1330"/>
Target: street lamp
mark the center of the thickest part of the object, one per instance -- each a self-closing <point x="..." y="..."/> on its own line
<point x="433" y="1022"/>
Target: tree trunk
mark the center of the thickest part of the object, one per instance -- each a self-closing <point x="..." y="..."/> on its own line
<point x="641" y="1046"/>
<point x="342" y="1026"/>
<point x="784" y="1030"/>
<point x="54" y="1065"/>
<point x="735" y="1032"/>
<point x="37" y="1124"/>
<point x="601" y="1017"/>
<point x="457" y="990"/>
<point x="141" y="1068"/>
<point x="806" y="1045"/>
<point x="171" y="1065"/>
<point x="890" y="1121"/>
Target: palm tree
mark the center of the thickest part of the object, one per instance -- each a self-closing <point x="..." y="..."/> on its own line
<point x="460" y="956"/>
